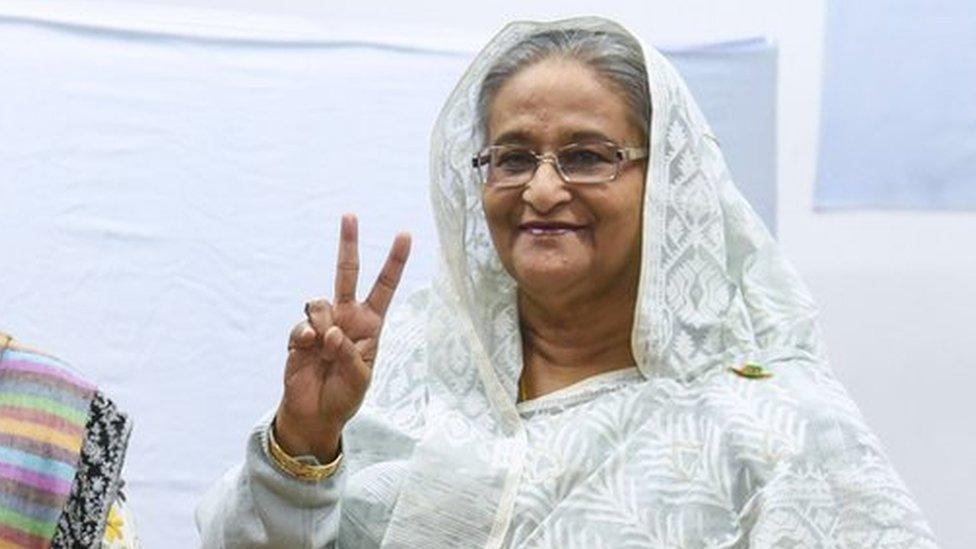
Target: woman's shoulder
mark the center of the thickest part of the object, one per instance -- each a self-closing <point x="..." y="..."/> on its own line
<point x="801" y="384"/>
<point x="16" y="356"/>
<point x="801" y="448"/>
<point x="797" y="411"/>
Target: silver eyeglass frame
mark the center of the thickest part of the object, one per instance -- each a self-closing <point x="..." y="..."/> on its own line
<point x="622" y="155"/>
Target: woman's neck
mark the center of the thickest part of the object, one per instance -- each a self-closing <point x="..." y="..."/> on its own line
<point x="564" y="342"/>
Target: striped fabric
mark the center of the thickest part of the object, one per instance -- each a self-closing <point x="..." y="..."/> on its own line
<point x="43" y="410"/>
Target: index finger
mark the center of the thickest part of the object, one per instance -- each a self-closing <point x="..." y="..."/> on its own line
<point x="389" y="277"/>
<point x="347" y="264"/>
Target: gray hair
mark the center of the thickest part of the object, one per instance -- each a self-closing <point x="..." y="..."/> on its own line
<point x="615" y="56"/>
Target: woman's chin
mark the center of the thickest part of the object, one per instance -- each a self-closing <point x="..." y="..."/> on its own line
<point x="542" y="278"/>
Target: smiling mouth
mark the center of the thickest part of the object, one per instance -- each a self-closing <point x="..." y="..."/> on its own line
<point x="549" y="229"/>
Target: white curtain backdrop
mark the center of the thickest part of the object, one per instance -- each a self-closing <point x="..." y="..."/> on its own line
<point x="899" y="89"/>
<point x="170" y="188"/>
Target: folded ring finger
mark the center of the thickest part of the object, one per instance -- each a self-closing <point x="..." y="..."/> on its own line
<point x="319" y="315"/>
<point x="302" y="336"/>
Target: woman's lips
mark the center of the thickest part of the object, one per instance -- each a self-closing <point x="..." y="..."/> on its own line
<point x="539" y="231"/>
<point x="549" y="228"/>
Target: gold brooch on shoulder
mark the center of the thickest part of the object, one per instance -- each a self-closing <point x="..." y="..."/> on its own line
<point x="751" y="371"/>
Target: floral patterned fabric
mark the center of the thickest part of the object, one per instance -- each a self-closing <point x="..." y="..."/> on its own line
<point x="120" y="529"/>
<point x="98" y="482"/>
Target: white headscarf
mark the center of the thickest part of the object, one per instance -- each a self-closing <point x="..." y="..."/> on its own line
<point x="441" y="416"/>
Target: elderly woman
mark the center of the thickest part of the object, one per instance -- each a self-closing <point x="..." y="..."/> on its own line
<point x="613" y="354"/>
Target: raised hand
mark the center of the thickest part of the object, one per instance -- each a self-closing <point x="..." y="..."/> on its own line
<point x="331" y="352"/>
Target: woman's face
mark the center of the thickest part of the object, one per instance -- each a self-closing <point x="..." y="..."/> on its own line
<point x="557" y="238"/>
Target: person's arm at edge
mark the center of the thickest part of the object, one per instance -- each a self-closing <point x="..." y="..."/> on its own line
<point x="256" y="504"/>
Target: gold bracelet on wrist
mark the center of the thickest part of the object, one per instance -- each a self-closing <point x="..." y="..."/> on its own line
<point x="295" y="468"/>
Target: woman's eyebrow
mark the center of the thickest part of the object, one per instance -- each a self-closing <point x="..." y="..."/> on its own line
<point x="587" y="135"/>
<point x="519" y="137"/>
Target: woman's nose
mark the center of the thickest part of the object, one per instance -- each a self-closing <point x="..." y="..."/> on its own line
<point x="546" y="189"/>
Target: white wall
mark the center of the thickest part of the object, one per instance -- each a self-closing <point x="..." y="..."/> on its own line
<point x="896" y="290"/>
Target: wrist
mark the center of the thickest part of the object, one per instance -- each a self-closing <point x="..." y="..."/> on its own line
<point x="303" y="468"/>
<point x="322" y="443"/>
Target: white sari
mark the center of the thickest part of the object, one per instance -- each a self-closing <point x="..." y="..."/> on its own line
<point x="678" y="452"/>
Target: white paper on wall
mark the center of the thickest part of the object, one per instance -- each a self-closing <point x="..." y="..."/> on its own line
<point x="898" y="127"/>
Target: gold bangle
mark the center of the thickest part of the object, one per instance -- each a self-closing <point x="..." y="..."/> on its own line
<point x="292" y="466"/>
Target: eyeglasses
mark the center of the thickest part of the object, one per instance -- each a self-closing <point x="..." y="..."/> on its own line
<point x="501" y="166"/>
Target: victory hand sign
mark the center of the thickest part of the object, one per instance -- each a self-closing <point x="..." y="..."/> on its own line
<point x="331" y="352"/>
